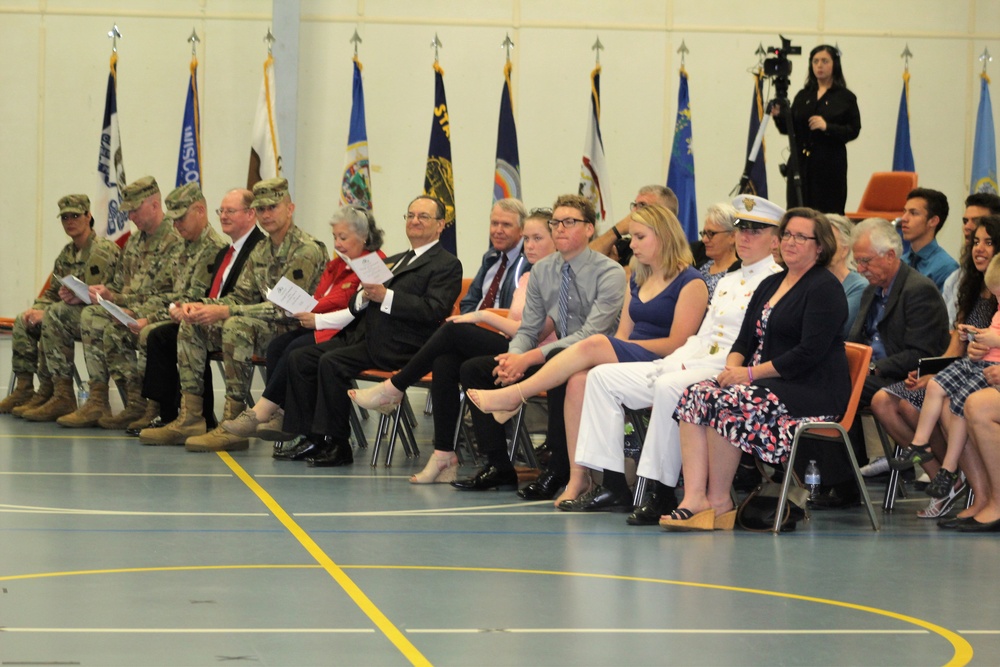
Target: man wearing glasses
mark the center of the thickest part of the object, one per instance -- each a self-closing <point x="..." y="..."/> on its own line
<point x="87" y="257"/>
<point x="392" y="322"/>
<point x="211" y="276"/>
<point x="648" y="194"/>
<point x="242" y="323"/>
<point x="144" y="273"/>
<point x="582" y="292"/>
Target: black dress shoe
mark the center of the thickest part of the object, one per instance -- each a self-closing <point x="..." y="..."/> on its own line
<point x="599" y="499"/>
<point x="655" y="505"/>
<point x="490" y="477"/>
<point x="979" y="527"/>
<point x="340" y="455"/>
<point x="306" y="447"/>
<point x="156" y="423"/>
<point x="544" y="488"/>
<point x="954" y="522"/>
<point x="836" y="499"/>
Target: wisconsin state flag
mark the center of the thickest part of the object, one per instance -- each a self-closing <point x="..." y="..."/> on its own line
<point x="439" y="180"/>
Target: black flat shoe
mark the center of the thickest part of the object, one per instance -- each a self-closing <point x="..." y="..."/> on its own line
<point x="599" y="499"/>
<point x="974" y="526"/>
<point x="489" y="477"/>
<point x="653" y="507"/>
<point x="954" y="522"/>
<point x="340" y="455"/>
<point x="134" y="432"/>
<point x="836" y="499"/>
<point x="544" y="488"/>
<point x="305" y="448"/>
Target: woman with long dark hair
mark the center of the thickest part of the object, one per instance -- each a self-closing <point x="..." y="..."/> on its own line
<point x="825" y="116"/>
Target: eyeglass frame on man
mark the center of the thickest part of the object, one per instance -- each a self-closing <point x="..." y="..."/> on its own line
<point x="231" y="211"/>
<point x="567" y="223"/>
<point x="423" y="218"/>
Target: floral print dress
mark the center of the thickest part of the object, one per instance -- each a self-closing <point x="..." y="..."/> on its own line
<point x="750" y="417"/>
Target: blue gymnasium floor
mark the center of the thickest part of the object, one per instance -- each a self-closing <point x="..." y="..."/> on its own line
<point x="118" y="554"/>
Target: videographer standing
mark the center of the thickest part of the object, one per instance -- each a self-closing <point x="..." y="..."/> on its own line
<point x="825" y="116"/>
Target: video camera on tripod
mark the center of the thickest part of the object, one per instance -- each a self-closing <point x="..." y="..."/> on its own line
<point x="778" y="68"/>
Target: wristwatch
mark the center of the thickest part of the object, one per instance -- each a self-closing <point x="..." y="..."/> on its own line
<point x="872" y="369"/>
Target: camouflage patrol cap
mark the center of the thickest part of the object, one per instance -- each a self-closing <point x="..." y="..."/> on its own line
<point x="136" y="192"/>
<point x="177" y="202"/>
<point x="74" y="204"/>
<point x="271" y="191"/>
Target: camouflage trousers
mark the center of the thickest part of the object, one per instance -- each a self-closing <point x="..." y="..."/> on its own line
<point x="60" y="330"/>
<point x="109" y="348"/>
<point x="27" y="356"/>
<point x="240" y="339"/>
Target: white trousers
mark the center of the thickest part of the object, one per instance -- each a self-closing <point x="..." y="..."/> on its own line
<point x="602" y="425"/>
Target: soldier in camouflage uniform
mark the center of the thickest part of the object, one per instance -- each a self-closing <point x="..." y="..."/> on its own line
<point x="240" y="324"/>
<point x="143" y="276"/>
<point x="187" y="211"/>
<point x="89" y="258"/>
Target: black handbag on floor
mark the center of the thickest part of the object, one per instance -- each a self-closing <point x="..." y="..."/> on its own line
<point x="756" y="512"/>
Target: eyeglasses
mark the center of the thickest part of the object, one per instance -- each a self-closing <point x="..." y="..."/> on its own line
<point x="230" y="211"/>
<point x="636" y="205"/>
<point x="69" y="216"/>
<point x="865" y="261"/>
<point x="799" y="239"/>
<point x="568" y="223"/>
<point x="424" y="218"/>
<point x="709" y="235"/>
<point x="265" y="208"/>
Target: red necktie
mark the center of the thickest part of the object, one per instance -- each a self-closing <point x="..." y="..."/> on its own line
<point x="491" y="293"/>
<point x="221" y="271"/>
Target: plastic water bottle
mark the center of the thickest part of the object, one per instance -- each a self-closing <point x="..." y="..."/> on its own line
<point x="82" y="395"/>
<point x="812" y="480"/>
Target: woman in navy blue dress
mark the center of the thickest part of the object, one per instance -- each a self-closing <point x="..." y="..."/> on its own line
<point x="666" y="302"/>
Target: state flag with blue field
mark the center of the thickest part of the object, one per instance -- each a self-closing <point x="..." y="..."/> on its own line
<point x="109" y="220"/>
<point x="758" y="173"/>
<point x="984" y="147"/>
<point x="507" y="175"/>
<point x="356" y="185"/>
<point x="189" y="157"/>
<point x="439" y="179"/>
<point x="902" y="153"/>
<point x="680" y="174"/>
<point x="594" y="182"/>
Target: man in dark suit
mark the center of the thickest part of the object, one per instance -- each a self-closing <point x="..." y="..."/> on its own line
<point x="503" y="264"/>
<point x="161" y="381"/>
<point x="392" y="322"/>
<point x="903" y="318"/>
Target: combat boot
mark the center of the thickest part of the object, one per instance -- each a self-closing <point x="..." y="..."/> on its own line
<point x="61" y="402"/>
<point x="188" y="424"/>
<point x="221" y="440"/>
<point x="24" y="391"/>
<point x="86" y="415"/>
<point x="152" y="412"/>
<point x="135" y="407"/>
<point x="42" y="394"/>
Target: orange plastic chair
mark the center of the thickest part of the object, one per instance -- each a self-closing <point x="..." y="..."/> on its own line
<point x="885" y="195"/>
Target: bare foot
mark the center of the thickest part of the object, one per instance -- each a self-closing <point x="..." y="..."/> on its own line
<point x="505" y="399"/>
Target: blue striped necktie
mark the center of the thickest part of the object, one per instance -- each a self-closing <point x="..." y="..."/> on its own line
<point x="567" y="277"/>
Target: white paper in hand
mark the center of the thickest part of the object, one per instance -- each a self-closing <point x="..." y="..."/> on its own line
<point x="116" y="311"/>
<point x="290" y="297"/>
<point x="77" y="287"/>
<point x="370" y="268"/>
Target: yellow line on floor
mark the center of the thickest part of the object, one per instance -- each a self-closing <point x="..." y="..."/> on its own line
<point x="380" y="620"/>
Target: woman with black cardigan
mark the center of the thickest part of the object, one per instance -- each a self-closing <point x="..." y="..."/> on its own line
<point x="787" y="366"/>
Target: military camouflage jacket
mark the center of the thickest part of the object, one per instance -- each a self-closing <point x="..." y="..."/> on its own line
<point x="193" y="274"/>
<point x="300" y="258"/>
<point x="93" y="264"/>
<point x="145" y="269"/>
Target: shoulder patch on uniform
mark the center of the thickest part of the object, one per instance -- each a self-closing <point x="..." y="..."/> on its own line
<point x="297" y="274"/>
<point x="94" y="270"/>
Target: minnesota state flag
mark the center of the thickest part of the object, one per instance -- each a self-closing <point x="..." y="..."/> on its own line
<point x="356" y="186"/>
<point x="594" y="182"/>
<point x="680" y="174"/>
<point x="439" y="180"/>
<point x="265" y="150"/>
<point x="109" y="220"/>
<point x="507" y="176"/>
<point x="902" y="153"/>
<point x="189" y="156"/>
<point x="984" y="147"/>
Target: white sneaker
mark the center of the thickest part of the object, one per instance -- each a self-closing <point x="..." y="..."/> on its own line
<point x="876" y="467"/>
<point x="940" y="506"/>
